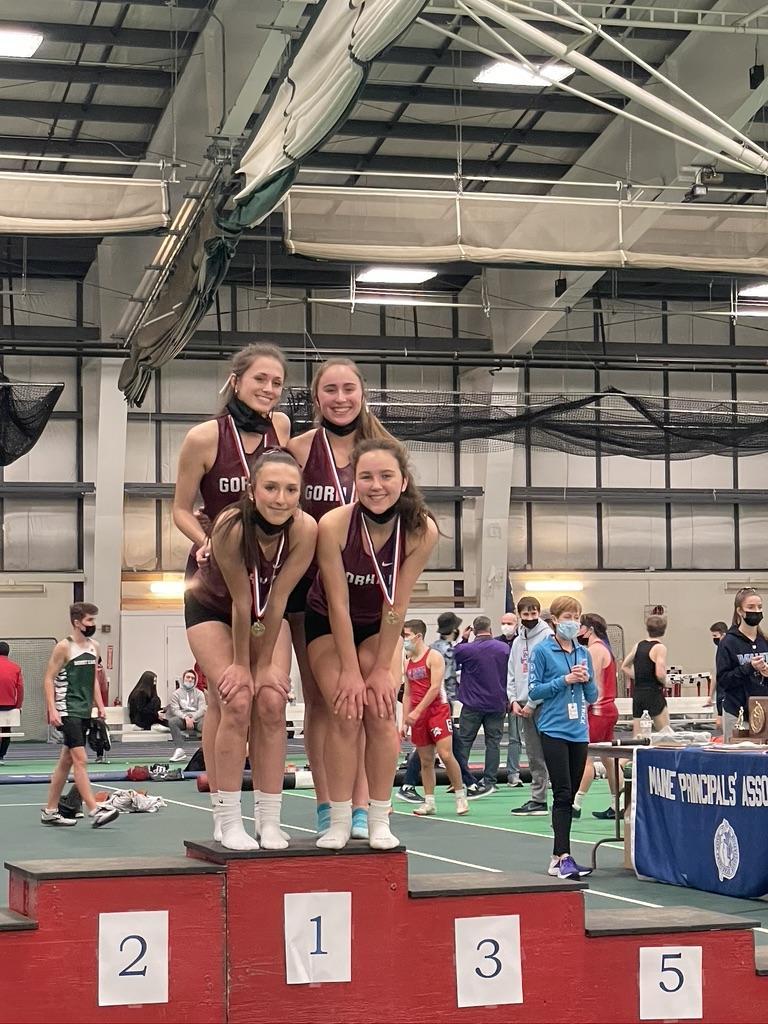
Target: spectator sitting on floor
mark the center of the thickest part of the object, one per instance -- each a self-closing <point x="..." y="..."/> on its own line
<point x="186" y="713"/>
<point x="11" y="692"/>
<point x="144" y="704"/>
<point x="483" y="695"/>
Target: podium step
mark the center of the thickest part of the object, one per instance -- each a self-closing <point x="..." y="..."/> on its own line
<point x="661" y="921"/>
<point x="10" y="921"/>
<point x="421" y="886"/>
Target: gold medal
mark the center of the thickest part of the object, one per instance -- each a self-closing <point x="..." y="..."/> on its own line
<point x="258" y="628"/>
<point x="260" y="599"/>
<point x="392" y="617"/>
<point x="388" y="592"/>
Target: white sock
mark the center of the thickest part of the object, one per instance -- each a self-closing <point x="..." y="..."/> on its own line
<point x="381" y="837"/>
<point x="272" y="836"/>
<point x="429" y="799"/>
<point x="338" y="835"/>
<point x="257" y="795"/>
<point x="216" y="822"/>
<point x="233" y="834"/>
<point x="578" y="800"/>
<point x="460" y="793"/>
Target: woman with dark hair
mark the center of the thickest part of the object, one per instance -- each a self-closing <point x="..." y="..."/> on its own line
<point x="144" y="703"/>
<point x="234" y="608"/>
<point x="342" y="419"/>
<point x="742" y="659"/>
<point x="370" y="553"/>
<point x="603" y="714"/>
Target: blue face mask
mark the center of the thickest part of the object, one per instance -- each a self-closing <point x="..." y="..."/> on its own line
<point x="568" y="629"/>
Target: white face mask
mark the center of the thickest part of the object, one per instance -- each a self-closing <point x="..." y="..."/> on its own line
<point x="188" y="684"/>
<point x="507" y="630"/>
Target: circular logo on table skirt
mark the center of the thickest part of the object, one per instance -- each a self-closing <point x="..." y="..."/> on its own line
<point x="757" y="718"/>
<point x="726" y="850"/>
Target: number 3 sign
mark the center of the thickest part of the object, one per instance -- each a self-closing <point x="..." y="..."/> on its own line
<point x="488" y="968"/>
<point x="133" y="958"/>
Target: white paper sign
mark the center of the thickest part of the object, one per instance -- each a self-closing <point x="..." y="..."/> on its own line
<point x="133" y="958"/>
<point x="670" y="983"/>
<point x="318" y="937"/>
<point x="488" y="967"/>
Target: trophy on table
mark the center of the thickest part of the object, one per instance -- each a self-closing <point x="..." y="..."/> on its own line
<point x="741" y="729"/>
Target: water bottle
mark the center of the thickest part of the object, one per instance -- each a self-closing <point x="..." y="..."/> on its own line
<point x="646" y="726"/>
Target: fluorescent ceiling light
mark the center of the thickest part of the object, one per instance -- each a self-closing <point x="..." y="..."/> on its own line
<point x="396" y="275"/>
<point x="167" y="588"/>
<point x="755" y="291"/>
<point x="510" y="73"/>
<point x="555" y="586"/>
<point x="19" y="42"/>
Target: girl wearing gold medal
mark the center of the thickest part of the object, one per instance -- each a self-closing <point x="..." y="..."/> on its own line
<point x="234" y="607"/>
<point x="371" y="554"/>
<point x="325" y="456"/>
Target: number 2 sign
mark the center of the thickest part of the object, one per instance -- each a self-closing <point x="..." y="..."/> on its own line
<point x="133" y="958"/>
<point x="488" y="967"/>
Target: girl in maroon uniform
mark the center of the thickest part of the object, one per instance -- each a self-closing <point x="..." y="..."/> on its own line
<point x="370" y="554"/>
<point x="234" y="606"/>
<point x="324" y="454"/>
<point x="216" y="459"/>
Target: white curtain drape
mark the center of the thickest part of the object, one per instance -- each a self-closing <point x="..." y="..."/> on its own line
<point x="391" y="226"/>
<point x="322" y="82"/>
<point x="66" y="204"/>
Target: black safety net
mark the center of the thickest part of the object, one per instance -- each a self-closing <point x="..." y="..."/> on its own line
<point x="24" y="412"/>
<point x="611" y="422"/>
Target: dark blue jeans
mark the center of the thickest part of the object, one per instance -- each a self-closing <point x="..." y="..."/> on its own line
<point x="493" y="730"/>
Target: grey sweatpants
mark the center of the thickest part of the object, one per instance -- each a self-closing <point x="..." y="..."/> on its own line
<point x="539" y="773"/>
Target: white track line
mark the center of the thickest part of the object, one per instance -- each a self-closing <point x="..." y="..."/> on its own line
<point x="35" y="804"/>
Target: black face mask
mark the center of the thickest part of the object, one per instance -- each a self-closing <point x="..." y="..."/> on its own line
<point x="88" y="630"/>
<point x="530" y="624"/>
<point x="255" y="518"/>
<point x="341" y="431"/>
<point x="382" y="517"/>
<point x="716" y="641"/>
<point x="583" y="640"/>
<point x="247" y="419"/>
<point x="752" y="618"/>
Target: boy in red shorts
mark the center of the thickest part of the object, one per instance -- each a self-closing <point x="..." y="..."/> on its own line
<point x="427" y="713"/>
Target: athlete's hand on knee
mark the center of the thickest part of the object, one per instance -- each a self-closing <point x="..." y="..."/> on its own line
<point x="404" y="730"/>
<point x="233" y="679"/>
<point x="349" y="700"/>
<point x="381" y="684"/>
<point x="274" y="679"/>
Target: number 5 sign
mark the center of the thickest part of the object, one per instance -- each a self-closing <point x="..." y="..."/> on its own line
<point x="133" y="958"/>
<point x="488" y="968"/>
<point x="670" y="983"/>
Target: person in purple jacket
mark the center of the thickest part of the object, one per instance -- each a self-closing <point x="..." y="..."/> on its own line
<point x="483" y="696"/>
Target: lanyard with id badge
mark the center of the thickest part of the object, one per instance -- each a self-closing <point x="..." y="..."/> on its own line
<point x="573" y="705"/>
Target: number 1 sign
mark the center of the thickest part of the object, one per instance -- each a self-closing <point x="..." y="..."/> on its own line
<point x="488" y="967"/>
<point x="133" y="958"/>
<point x="318" y="937"/>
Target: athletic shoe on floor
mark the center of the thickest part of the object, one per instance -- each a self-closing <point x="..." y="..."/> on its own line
<point x="409" y="793"/>
<point x="479" y="789"/>
<point x="158" y="727"/>
<point x="529" y="809"/>
<point x="54" y="818"/>
<point x="103" y="815"/>
<point x="575" y="813"/>
<point x="608" y="815"/>
<point x="517" y="784"/>
<point x="178" y="755"/>
<point x="568" y="868"/>
<point x="425" y="808"/>
<point x="450" y="789"/>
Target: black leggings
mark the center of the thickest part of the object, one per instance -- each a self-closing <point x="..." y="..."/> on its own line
<point x="5" y="740"/>
<point x="565" y="762"/>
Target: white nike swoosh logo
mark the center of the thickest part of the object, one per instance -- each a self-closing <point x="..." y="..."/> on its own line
<point x="386" y="565"/>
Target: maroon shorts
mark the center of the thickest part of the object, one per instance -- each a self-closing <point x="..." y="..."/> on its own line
<point x="601" y="726"/>
<point x="434" y="725"/>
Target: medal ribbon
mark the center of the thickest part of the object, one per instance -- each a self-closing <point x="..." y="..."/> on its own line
<point x="389" y="593"/>
<point x="260" y="607"/>
<point x="241" y="449"/>
<point x="334" y="471"/>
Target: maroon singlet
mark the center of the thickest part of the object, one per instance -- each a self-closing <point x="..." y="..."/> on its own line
<point x="320" y="493"/>
<point x="209" y="588"/>
<point x="365" y="597"/>
<point x="225" y="481"/>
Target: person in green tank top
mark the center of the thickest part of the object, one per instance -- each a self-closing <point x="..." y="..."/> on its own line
<point x="71" y="691"/>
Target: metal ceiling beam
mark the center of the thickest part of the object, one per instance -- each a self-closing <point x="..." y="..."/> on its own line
<point x="29" y="144"/>
<point x="95" y="74"/>
<point x="193" y="5"/>
<point x="429" y="165"/>
<point x="469" y="133"/>
<point x="639" y="496"/>
<point x="471" y="60"/>
<point x="506" y="99"/>
<point x="88" y="35"/>
<point x="106" y="113"/>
